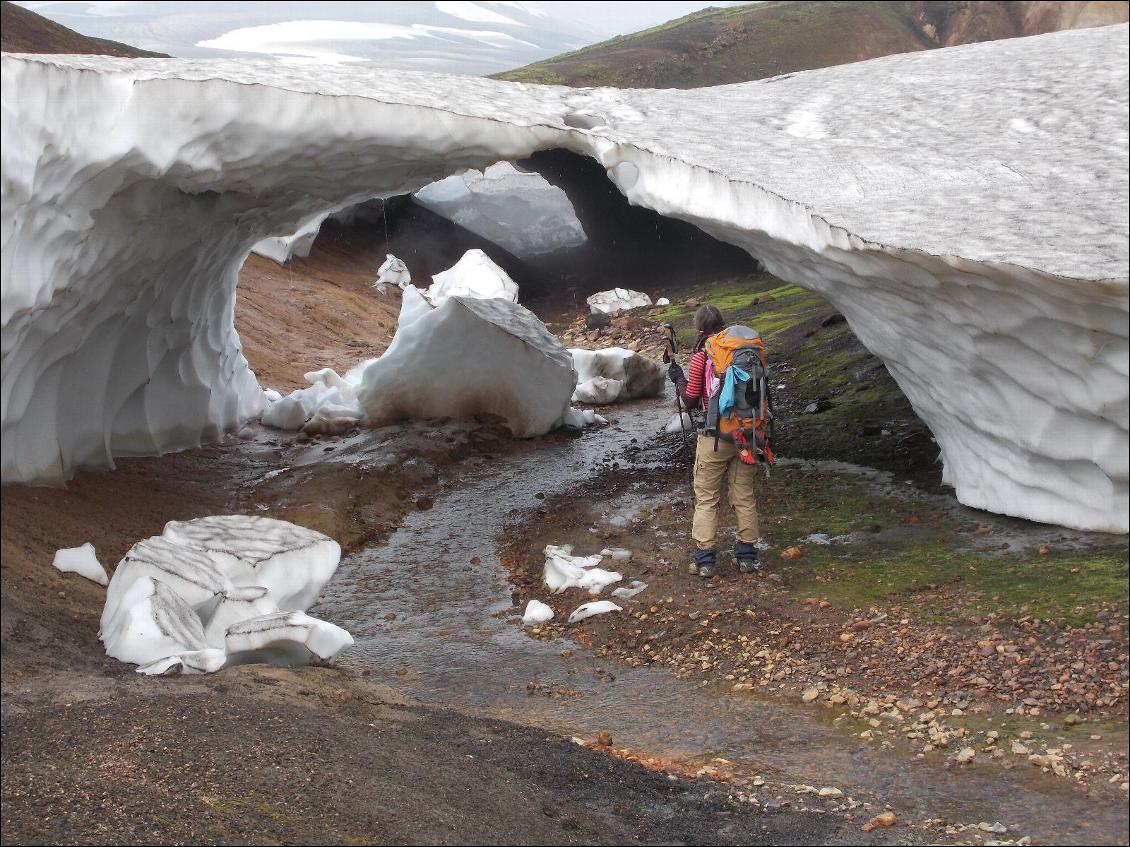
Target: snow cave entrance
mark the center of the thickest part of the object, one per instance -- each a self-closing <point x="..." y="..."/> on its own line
<point x="554" y="222"/>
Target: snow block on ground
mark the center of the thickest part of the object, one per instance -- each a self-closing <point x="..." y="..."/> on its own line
<point x="474" y="275"/>
<point x="617" y="300"/>
<point x="292" y="562"/>
<point x="83" y="561"/>
<point x="537" y="612"/>
<point x="475" y="357"/>
<point x="614" y="374"/>
<point x="597" y="607"/>
<point x="285" y="638"/>
<point x="175" y="599"/>
<point x="393" y="271"/>
<point x="563" y="571"/>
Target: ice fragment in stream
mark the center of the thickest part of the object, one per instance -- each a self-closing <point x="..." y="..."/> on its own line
<point x="81" y="560"/>
<point x="537" y="612"/>
<point x="597" y="607"/>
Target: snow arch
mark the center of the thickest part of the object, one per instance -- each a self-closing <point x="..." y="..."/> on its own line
<point x="980" y="249"/>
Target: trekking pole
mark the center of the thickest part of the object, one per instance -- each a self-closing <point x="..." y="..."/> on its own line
<point x="669" y="353"/>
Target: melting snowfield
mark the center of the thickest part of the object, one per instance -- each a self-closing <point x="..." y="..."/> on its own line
<point x="980" y="248"/>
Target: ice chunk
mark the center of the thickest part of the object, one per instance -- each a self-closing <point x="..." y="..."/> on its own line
<point x="631" y="590"/>
<point x="474" y="275"/>
<point x="81" y="560"/>
<point x="285" y="638"/>
<point x="475" y="357"/>
<point x="617" y="300"/>
<point x="537" y="612"/>
<point x="237" y="605"/>
<point x="580" y="418"/>
<point x="616" y="373"/>
<point x="151" y="622"/>
<point x="597" y="607"/>
<point x="292" y="562"/>
<point x="680" y="422"/>
<point x="392" y="272"/>
<point x="563" y="571"/>
<point x="521" y="212"/>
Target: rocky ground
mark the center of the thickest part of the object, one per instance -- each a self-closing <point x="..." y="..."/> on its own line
<point x="932" y="631"/>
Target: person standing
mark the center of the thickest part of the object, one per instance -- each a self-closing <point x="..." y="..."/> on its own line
<point x="716" y="462"/>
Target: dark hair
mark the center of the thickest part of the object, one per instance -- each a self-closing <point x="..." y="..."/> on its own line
<point x="707" y="320"/>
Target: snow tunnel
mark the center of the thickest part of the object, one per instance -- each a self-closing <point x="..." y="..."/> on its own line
<point x="979" y="250"/>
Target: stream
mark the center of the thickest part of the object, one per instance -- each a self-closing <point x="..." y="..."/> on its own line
<point x="456" y="641"/>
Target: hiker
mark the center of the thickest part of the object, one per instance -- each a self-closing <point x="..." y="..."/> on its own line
<point x="725" y="449"/>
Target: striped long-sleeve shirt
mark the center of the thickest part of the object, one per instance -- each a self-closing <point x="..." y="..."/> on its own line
<point x="693" y="387"/>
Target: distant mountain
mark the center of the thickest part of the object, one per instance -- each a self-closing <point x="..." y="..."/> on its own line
<point x="759" y="40"/>
<point x="452" y="37"/>
<point x="23" y="31"/>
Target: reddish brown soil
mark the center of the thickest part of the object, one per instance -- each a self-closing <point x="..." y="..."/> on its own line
<point x="321" y="311"/>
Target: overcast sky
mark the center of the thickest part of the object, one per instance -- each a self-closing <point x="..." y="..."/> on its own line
<point x="608" y="17"/>
<point x="618" y="18"/>
<point x="451" y="36"/>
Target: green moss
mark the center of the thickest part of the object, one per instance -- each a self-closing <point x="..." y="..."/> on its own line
<point x="924" y="561"/>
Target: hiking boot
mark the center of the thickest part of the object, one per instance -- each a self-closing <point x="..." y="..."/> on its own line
<point x="692" y="569"/>
<point x="753" y="565"/>
<point x="746" y="554"/>
<point x="703" y="564"/>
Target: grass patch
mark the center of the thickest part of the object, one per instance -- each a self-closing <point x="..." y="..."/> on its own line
<point x="923" y="561"/>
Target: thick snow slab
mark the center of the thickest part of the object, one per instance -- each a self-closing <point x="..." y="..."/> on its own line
<point x="979" y="249"/>
<point x="617" y="300"/>
<point x="83" y="561"/>
<point x="471" y="357"/>
<point x="474" y="275"/>
<point x="606" y="376"/>
<point x="184" y="601"/>
<point x="518" y="211"/>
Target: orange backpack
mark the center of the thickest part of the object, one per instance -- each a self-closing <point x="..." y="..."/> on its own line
<point x="739" y="406"/>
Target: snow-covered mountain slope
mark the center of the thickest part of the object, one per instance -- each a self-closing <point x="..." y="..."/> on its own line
<point x="980" y="249"/>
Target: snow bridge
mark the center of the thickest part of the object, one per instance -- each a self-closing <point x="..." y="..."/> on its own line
<point x="965" y="209"/>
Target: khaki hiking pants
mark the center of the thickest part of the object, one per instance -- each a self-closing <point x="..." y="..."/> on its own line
<point x="710" y="468"/>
